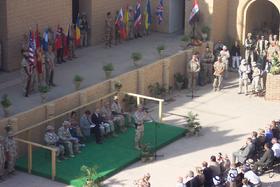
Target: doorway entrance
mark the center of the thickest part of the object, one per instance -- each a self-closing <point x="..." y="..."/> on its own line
<point x="177" y="16"/>
<point x="262" y="18"/>
<point x="75" y="10"/>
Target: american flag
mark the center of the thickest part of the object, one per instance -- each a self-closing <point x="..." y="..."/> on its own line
<point x="31" y="50"/>
<point x="159" y="12"/>
<point x="138" y="16"/>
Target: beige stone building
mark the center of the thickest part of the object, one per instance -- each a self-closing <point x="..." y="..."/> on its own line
<point x="228" y="19"/>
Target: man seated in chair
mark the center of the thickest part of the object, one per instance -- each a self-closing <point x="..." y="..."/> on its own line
<point x="97" y="119"/>
<point x="276" y="148"/>
<point x="119" y="115"/>
<point x="52" y="140"/>
<point x="107" y="115"/>
<point x="266" y="160"/>
<point x="244" y="152"/>
<point x="70" y="143"/>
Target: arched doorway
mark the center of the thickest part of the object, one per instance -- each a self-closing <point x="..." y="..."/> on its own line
<point x="262" y="18"/>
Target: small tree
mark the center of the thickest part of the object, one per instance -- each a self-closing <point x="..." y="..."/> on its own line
<point x="89" y="173"/>
<point x="43" y="89"/>
<point x="108" y="67"/>
<point x="192" y="124"/>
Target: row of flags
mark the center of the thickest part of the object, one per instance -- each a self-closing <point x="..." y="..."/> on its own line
<point x="123" y="17"/>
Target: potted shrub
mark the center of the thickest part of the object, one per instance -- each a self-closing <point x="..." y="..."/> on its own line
<point x="89" y="173"/>
<point x="44" y="89"/>
<point x="205" y="32"/>
<point x="275" y="66"/>
<point x="118" y="85"/>
<point x="77" y="81"/>
<point x="108" y="68"/>
<point x="6" y="105"/>
<point x="192" y="124"/>
<point x="146" y="153"/>
<point x="136" y="57"/>
<point x="179" y="80"/>
<point x="160" y="50"/>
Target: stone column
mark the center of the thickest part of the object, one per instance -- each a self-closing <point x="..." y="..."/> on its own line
<point x="141" y="81"/>
<point x="165" y="72"/>
<point x="83" y="97"/>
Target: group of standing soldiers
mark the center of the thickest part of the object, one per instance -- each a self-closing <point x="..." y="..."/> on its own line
<point x="41" y="52"/>
<point x="8" y="155"/>
<point x="259" y="54"/>
<point x="113" y="29"/>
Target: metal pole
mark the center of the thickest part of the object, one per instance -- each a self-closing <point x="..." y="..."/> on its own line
<point x="160" y="110"/>
<point x="138" y="101"/>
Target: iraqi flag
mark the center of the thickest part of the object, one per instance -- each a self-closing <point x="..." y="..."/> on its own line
<point x="194" y="13"/>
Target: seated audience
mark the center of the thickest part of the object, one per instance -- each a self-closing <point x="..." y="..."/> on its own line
<point x="200" y="176"/>
<point x="191" y="180"/>
<point x="275" y="148"/>
<point x="275" y="130"/>
<point x="244" y="153"/>
<point x="231" y="175"/>
<point x="70" y="143"/>
<point x="266" y="160"/>
<point x="253" y="179"/>
<point x="217" y="181"/>
<point x="106" y="113"/>
<point x="52" y="140"/>
<point x="268" y="134"/>
<point x="75" y="129"/>
<point x="88" y="127"/>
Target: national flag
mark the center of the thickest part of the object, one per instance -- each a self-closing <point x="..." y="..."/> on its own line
<point x="126" y="18"/>
<point x="37" y="38"/>
<point x="137" y="15"/>
<point x="148" y="15"/>
<point x="31" y="51"/>
<point x="159" y="11"/>
<point x="78" y="32"/>
<point x="194" y="13"/>
<point x="45" y="42"/>
<point x="120" y="24"/>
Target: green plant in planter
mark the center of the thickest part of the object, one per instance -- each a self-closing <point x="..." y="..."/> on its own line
<point x="108" y="68"/>
<point x="89" y="173"/>
<point x="160" y="49"/>
<point x="275" y="66"/>
<point x="136" y="57"/>
<point x="5" y="101"/>
<point x="192" y="124"/>
<point x="118" y="85"/>
<point x="146" y="153"/>
<point x="205" y="29"/>
<point x="179" y="80"/>
<point x="77" y="81"/>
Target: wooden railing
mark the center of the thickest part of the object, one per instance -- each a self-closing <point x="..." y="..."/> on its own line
<point x="29" y="155"/>
<point x="138" y="97"/>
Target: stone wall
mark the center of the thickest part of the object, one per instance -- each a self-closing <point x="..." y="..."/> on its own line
<point x="272" y="87"/>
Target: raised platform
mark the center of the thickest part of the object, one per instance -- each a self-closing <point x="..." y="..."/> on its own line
<point x="110" y="157"/>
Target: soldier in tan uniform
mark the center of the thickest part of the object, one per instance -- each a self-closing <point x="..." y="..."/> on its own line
<point x="70" y="143"/>
<point x="108" y="29"/>
<point x="10" y="151"/>
<point x="244" y="70"/>
<point x="193" y="68"/>
<point x="140" y="115"/>
<point x="130" y="23"/>
<point x="52" y="140"/>
<point x="219" y="70"/>
<point x="207" y="66"/>
<point x="2" y="158"/>
<point x="256" y="78"/>
<point x="118" y="113"/>
<point x="225" y="58"/>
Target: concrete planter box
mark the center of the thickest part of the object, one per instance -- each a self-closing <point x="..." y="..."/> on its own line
<point x="272" y="87"/>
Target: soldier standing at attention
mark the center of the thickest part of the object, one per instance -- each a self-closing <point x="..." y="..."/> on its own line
<point x="207" y="65"/>
<point x="11" y="151"/>
<point x="2" y="158"/>
<point x="193" y="68"/>
<point x="140" y="115"/>
<point x="225" y="58"/>
<point x="26" y="74"/>
<point x="256" y="78"/>
<point x="108" y="30"/>
<point x="50" y="58"/>
<point x="244" y="70"/>
<point x="219" y="70"/>
<point x="249" y="48"/>
<point x="84" y="30"/>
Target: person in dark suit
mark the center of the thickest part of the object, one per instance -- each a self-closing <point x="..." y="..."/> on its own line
<point x="96" y="119"/>
<point x="208" y="175"/>
<point x="266" y="160"/>
<point x="245" y="152"/>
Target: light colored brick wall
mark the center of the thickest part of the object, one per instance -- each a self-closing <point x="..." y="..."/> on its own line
<point x="272" y="87"/>
<point x="21" y="15"/>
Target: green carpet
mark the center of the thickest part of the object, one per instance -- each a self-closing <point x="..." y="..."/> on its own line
<point x="110" y="157"/>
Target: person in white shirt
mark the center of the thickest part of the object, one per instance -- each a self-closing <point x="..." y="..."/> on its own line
<point x="252" y="177"/>
<point x="275" y="147"/>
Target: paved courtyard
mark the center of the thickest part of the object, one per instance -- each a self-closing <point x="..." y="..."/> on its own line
<point x="227" y="119"/>
<point x="89" y="65"/>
